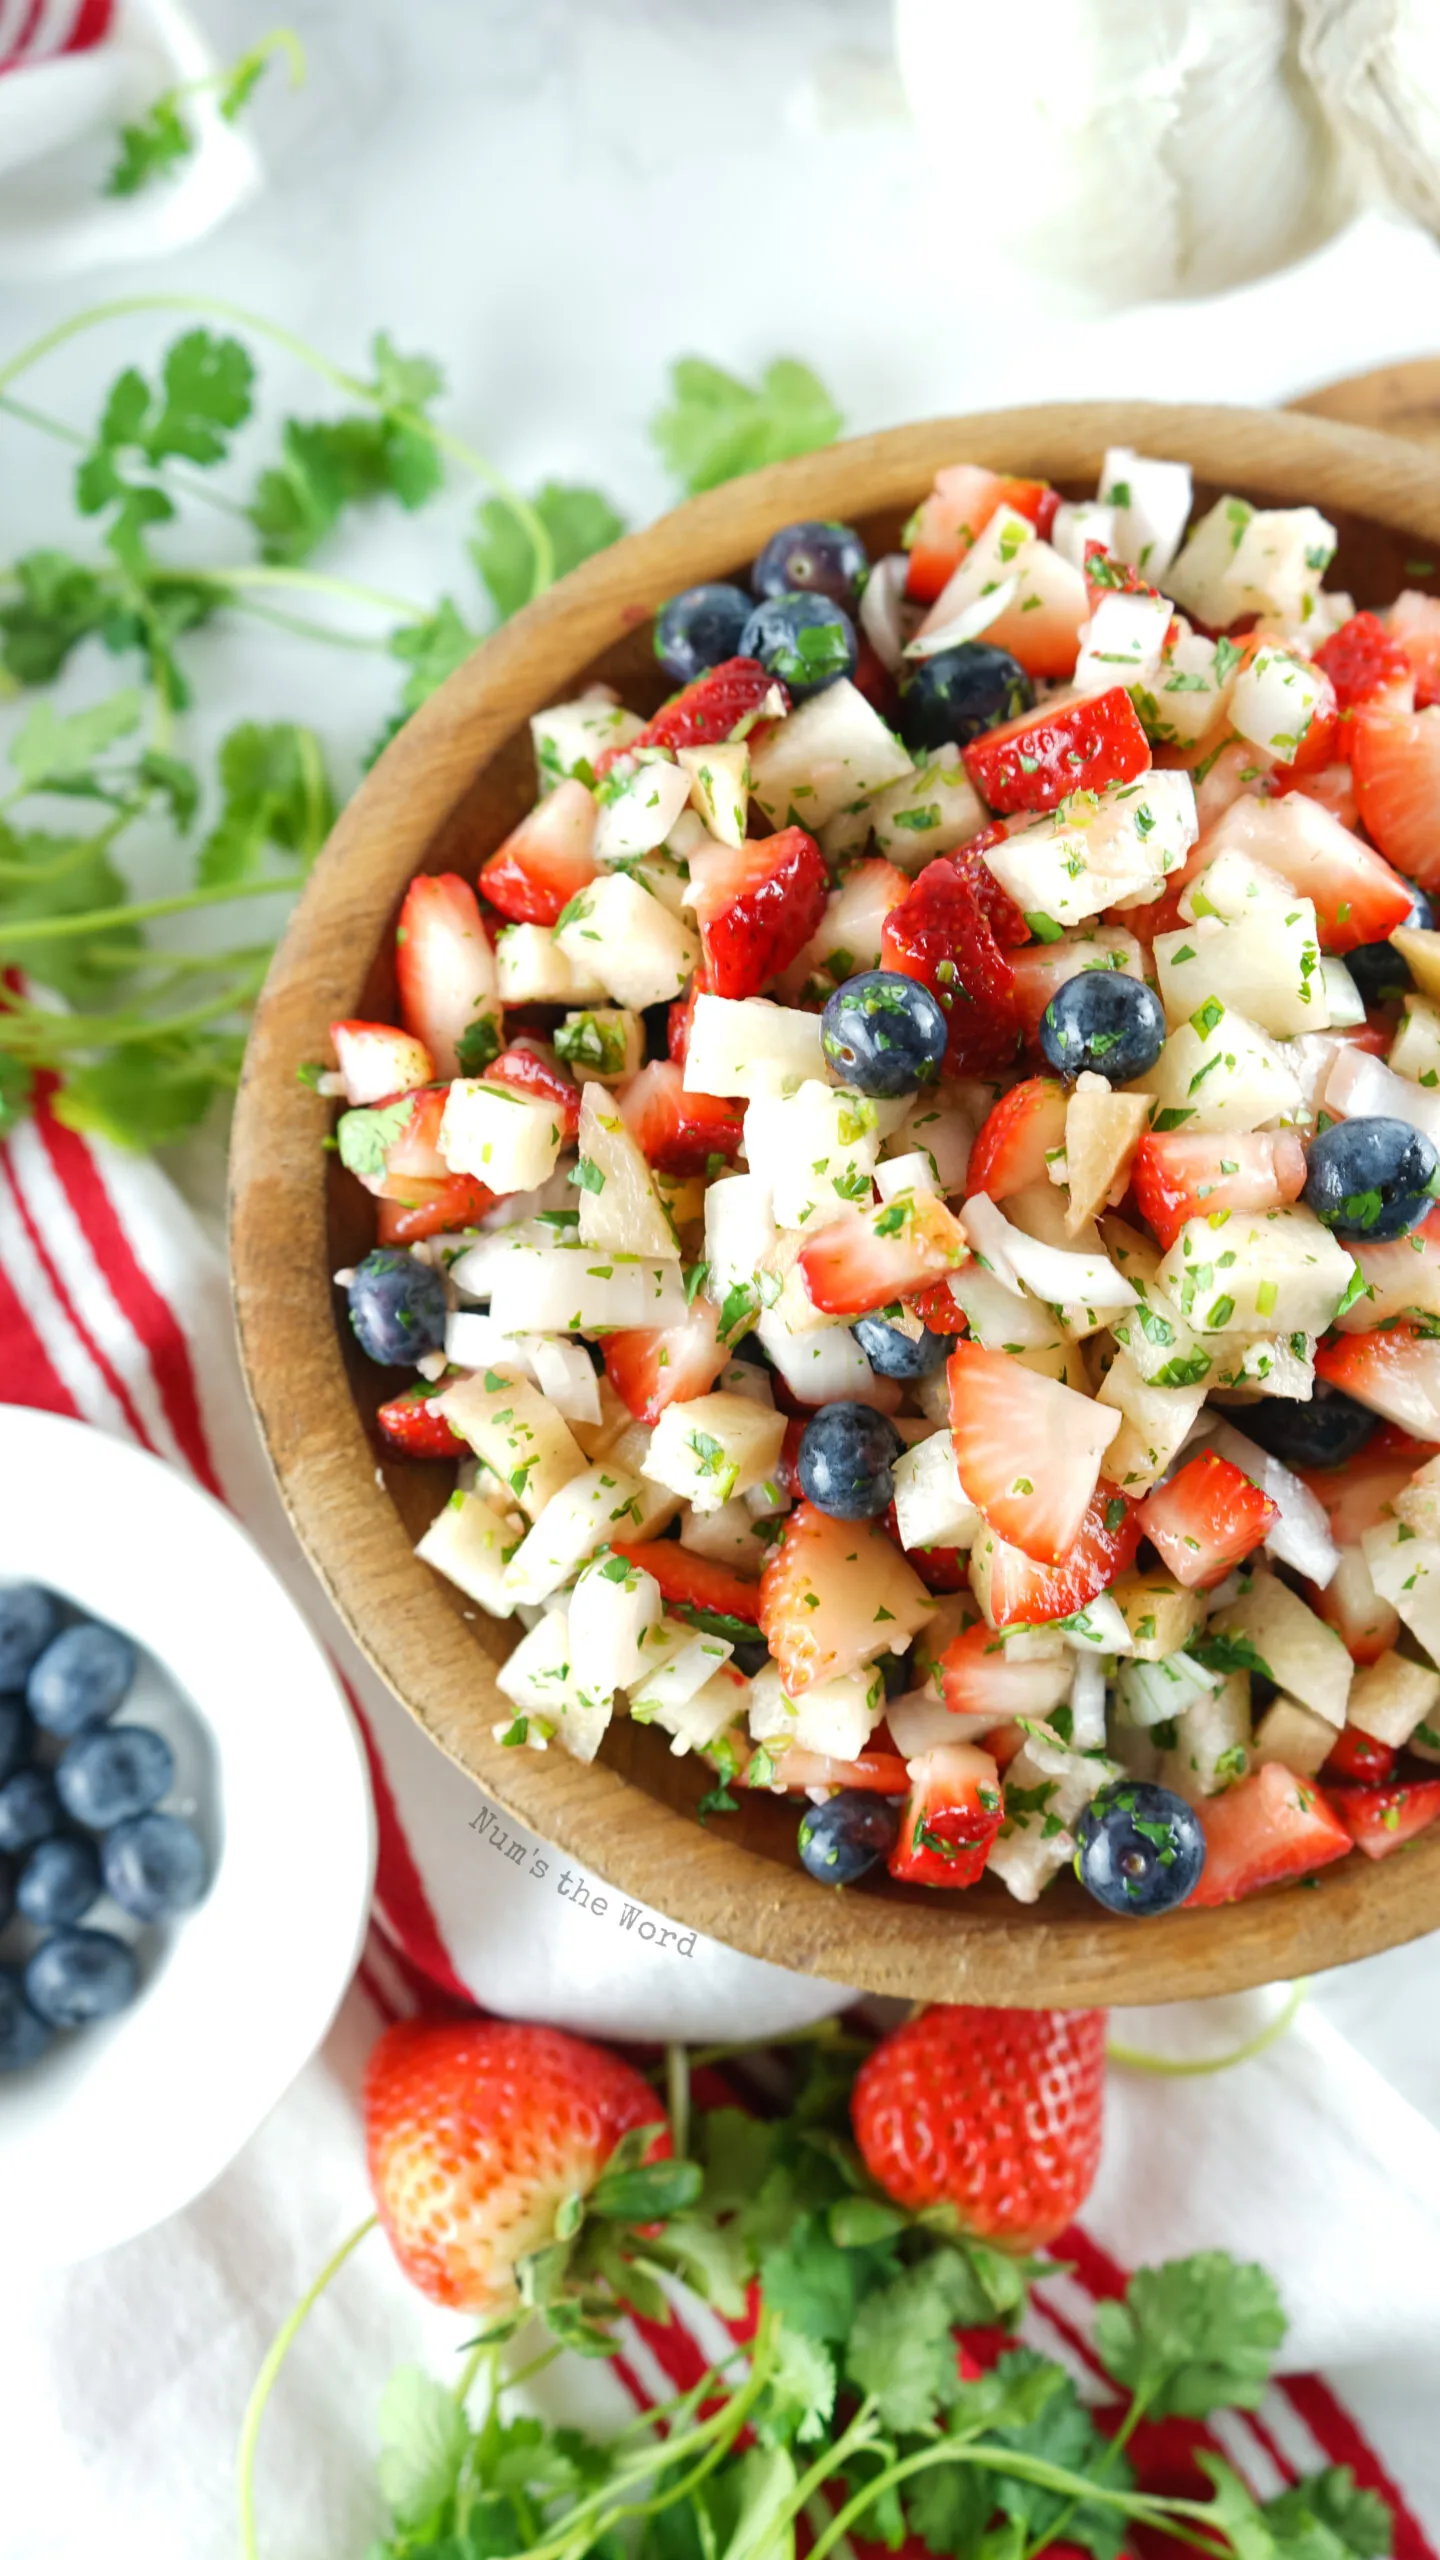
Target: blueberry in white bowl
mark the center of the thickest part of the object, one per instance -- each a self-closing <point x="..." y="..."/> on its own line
<point x="76" y="1976"/>
<point x="23" y="2035"/>
<point x="29" y="1809"/>
<point x="59" y="1882"/>
<point x="81" y="1678"/>
<point x="103" y="1778"/>
<point x="154" y="1865"/>
<point x="29" y="1618"/>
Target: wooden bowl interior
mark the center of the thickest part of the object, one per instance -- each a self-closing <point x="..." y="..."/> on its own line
<point x="633" y="1816"/>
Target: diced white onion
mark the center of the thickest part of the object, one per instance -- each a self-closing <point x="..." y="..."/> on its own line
<point x="968" y="624"/>
<point x="1359" y="1087"/>
<point x="1301" y="1536"/>
<point x="1087" y="1704"/>
<point x="880" y="609"/>
<point x="1058" y="1278"/>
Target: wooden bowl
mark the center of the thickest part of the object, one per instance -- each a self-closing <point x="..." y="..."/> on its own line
<point x="454" y="782"/>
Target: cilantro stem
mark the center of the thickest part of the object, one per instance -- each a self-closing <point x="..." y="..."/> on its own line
<point x="100" y="919"/>
<point x="55" y="1032"/>
<point x="1155" y="2512"/>
<point x="310" y="581"/>
<point x="677" y="2080"/>
<point x="1133" y="2059"/>
<point x="537" y="2364"/>
<point x="308" y="630"/>
<point x="209" y="306"/>
<point x="63" y="433"/>
<point x="268" y="2375"/>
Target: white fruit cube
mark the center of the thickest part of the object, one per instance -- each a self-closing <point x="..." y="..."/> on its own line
<point x="571" y="736"/>
<point x="1079" y="521"/>
<point x="1418" y="1502"/>
<point x="834" y="750"/>
<point x="719" y="788"/>
<point x="595" y="1506"/>
<point x="612" y="1607"/>
<point x="1299" y="1652"/>
<point x="837" y="1717"/>
<point x="1212" y="1742"/>
<point x="815" y="1150"/>
<point x="931" y="1505"/>
<point x="616" y="931"/>
<point x="1102" y="1131"/>
<point x="1391" y="1697"/>
<point x="697" y="1721"/>
<point x="1406" y="1571"/>
<point x="677" y="1663"/>
<point x="1278" y="563"/>
<point x="564" y="1374"/>
<point x="1151" y="502"/>
<point x="530" y="968"/>
<point x="1156" y="1423"/>
<point x="603" y="1045"/>
<point x="729" y="1536"/>
<point x="1187" y="692"/>
<point x="541" y="1679"/>
<point x="1294" y="1736"/>
<point x="1098" y="849"/>
<point x="516" y="1432"/>
<point x="578" y="1288"/>
<point x="929" y="811"/>
<point x="1234" y="885"/>
<point x="1160" y="1616"/>
<point x="914" y="1172"/>
<point x="825" y="1367"/>
<point x="1122" y="642"/>
<point x="620" y="1208"/>
<point x="469" y="1542"/>
<point x="1266" y="1271"/>
<point x="751" y="1048"/>
<point x="1222" y="1072"/>
<point x="1029" y="1853"/>
<point x="1265" y="966"/>
<point x="1200" y="576"/>
<point x="739" y="1233"/>
<point x="1274" y="1364"/>
<point x="638" y="810"/>
<point x="1273" y="701"/>
<point x="714" y="1447"/>
<point x="506" y="1140"/>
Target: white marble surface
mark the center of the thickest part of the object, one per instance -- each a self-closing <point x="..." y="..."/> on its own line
<point x="556" y="199"/>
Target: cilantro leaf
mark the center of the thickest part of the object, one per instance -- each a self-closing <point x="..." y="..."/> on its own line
<point x="50" y="749"/>
<point x="423" y="2439"/>
<point x="801" y="2395"/>
<point x="1234" y="2512"/>
<point x="717" y="426"/>
<point x="150" y="147"/>
<point x="811" y="2283"/>
<point x="60" y="603"/>
<point x="738" y="2151"/>
<point x="328" y="464"/>
<point x="365" y="1137"/>
<point x="579" y="521"/>
<point x="900" y="2347"/>
<point x="202" y="396"/>
<point x="276" y="792"/>
<point x="432" y="649"/>
<point x="1358" y="2518"/>
<point x="1062" y="2432"/>
<point x="1198" y="2334"/>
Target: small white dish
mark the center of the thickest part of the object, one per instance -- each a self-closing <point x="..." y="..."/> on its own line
<point x="122" y="2124"/>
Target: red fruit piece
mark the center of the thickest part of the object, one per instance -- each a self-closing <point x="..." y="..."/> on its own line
<point x="978" y="1681"/>
<point x="1206" y="1519"/>
<point x="1028" y="1449"/>
<point x="532" y="1068"/>
<point x="392" y="1147"/>
<point x="1179" y="1176"/>
<point x="1361" y="1494"/>
<point x="1026" y="1594"/>
<point x="875" y="1773"/>
<point x="546" y="861"/>
<point x="941" y="1569"/>
<point x="830" y="1593"/>
<point x="872" y="1256"/>
<point x="936" y="1307"/>
<point x="757" y="906"/>
<point x="1366" y="1625"/>
<point x="1361" y="660"/>
<point x="1333" y="787"/>
<point x="1035" y="762"/>
<point x="692" y="1582"/>
<point x="1264" y="1830"/>
<point x="377" y="1061"/>
<point x="994" y="2111"/>
<point x="445" y="971"/>
<point x="676" y="1131"/>
<point x="410" y="1424"/>
<point x="1415" y="625"/>
<point x="1357" y="897"/>
<point x="682" y="1014"/>
<point x="655" y="1366"/>
<point x="1358" y="1756"/>
<point x="1395" y="1373"/>
<point x="1014" y="1144"/>
<point x="1395" y="758"/>
<point x="952" y="1815"/>
<point x="476" y="2134"/>
<point x="431" y="1209"/>
<point x="944" y="526"/>
<point x="952" y="932"/>
<point x="707" y="711"/>
<point x="1381" y="1819"/>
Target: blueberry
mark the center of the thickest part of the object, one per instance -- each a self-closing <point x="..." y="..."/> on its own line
<point x="29" y="1809"/>
<point x="807" y="641"/>
<point x="28" y="1620"/>
<point x="699" y="629"/>
<point x="58" y="1882"/>
<point x="1104" y="1023"/>
<point x="81" y="1678"/>
<point x="813" y="558"/>
<point x="15" y="1735"/>
<point x="1377" y="968"/>
<point x="154" y="1866"/>
<point x="884" y="1033"/>
<point x="1372" y="1178"/>
<point x="846" y="1454"/>
<point x="1141" y="1848"/>
<point x="80" y="1974"/>
<point x="892" y="1354"/>
<point x="841" y="1839"/>
<point x="23" y="2036"/>
<point x="7" y="1892"/>
<point x="1323" y="1433"/>
<point x="398" y="1308"/>
<point x="895" y="1670"/>
<point x="105" y="1777"/>
<point x="947" y="700"/>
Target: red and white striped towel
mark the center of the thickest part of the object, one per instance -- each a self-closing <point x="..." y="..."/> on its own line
<point x="41" y="30"/>
<point x="124" y="2378"/>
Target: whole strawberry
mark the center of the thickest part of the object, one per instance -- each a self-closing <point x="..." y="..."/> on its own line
<point x="995" y="2111"/>
<point x="477" y="2134"/>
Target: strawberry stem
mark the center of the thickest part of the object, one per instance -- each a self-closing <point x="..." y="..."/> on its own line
<point x="268" y="2375"/>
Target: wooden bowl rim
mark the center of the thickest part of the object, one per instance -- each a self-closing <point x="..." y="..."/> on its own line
<point x="943" y="1948"/>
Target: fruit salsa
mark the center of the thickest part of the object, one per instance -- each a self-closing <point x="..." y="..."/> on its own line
<point x="909" y="1184"/>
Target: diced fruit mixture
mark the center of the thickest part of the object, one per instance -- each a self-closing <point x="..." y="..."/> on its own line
<point x="909" y="1201"/>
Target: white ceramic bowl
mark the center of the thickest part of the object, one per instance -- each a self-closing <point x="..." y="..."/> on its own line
<point x="119" y="2126"/>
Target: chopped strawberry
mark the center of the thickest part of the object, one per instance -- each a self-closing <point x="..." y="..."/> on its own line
<point x="431" y="1208"/>
<point x="692" y="1582"/>
<point x="1396" y="1373"/>
<point x="1225" y="769"/>
<point x="1028" y="1449"/>
<point x="1180" y="1175"/>
<point x="1380" y="1820"/>
<point x="655" y="1366"/>
<point x="944" y="526"/>
<point x="1042" y="968"/>
<point x="1361" y="1494"/>
<point x="978" y="1681"/>
<point x="1036" y="761"/>
<point x="873" y="678"/>
<point x="1206" y="1519"/>
<point x="936" y="1307"/>
<point x="1395" y="757"/>
<point x="1264" y="1830"/>
<point x="410" y="1424"/>
<point x="445" y="972"/>
<point x="952" y="1815"/>
<point x="1333" y="786"/>
<point x="1107" y="576"/>
<point x="1015" y="1144"/>
<point x="1415" y="625"/>
<point x="866" y="1259"/>
<point x="531" y="1067"/>
<point x="378" y="1062"/>
<point x="1034" y="499"/>
<point x="682" y="1014"/>
<point x="1366" y="1625"/>
<point x="1362" y="661"/>
<point x="832" y="1593"/>
<point x="875" y="1772"/>
<point x="1358" y="1756"/>
<point x="707" y="712"/>
<point x="1025" y="1594"/>
<point x="943" y="1570"/>
<point x="1357" y="897"/>
<point x="757" y="907"/>
<point x="548" y="858"/>
<point x="952" y="933"/>
<point x="676" y="1131"/>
